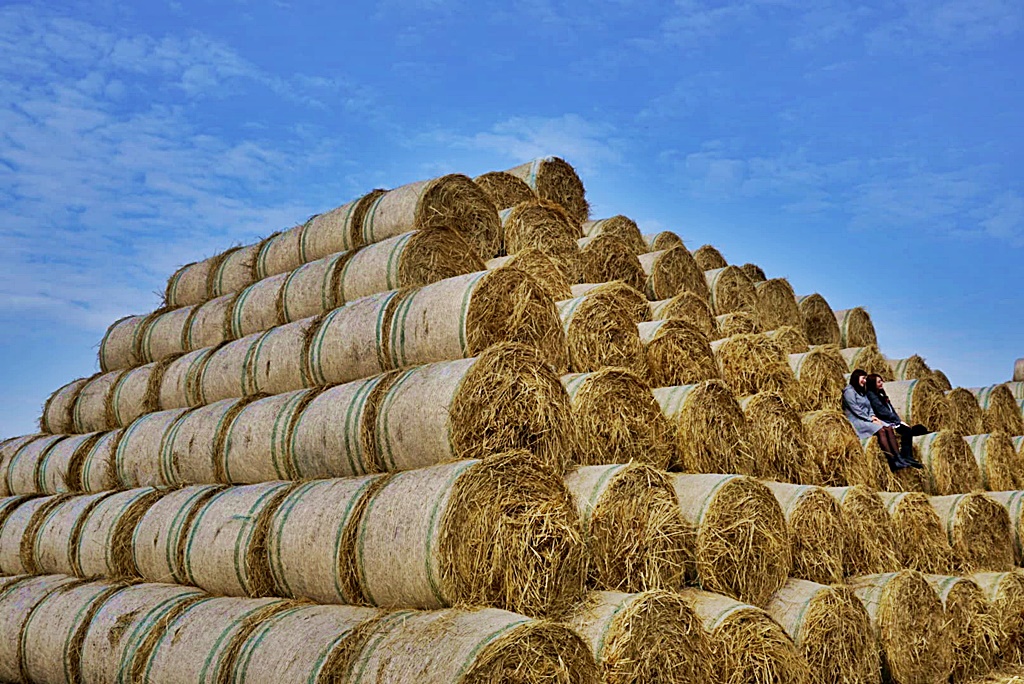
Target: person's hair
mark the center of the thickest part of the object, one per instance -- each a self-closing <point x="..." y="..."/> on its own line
<point x="855" y="377"/>
<point x="873" y="379"/>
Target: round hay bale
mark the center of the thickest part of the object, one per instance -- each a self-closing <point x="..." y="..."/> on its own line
<point x="136" y="393"/>
<point x="409" y="260"/>
<point x="279" y="361"/>
<point x="832" y="630"/>
<point x="178" y="383"/>
<point x="711" y="429"/>
<point x="460" y="317"/>
<point x="677" y="353"/>
<point x="338" y="346"/>
<point x="187" y="285"/>
<point x="253" y="445"/>
<point x="545" y="272"/>
<point x="554" y="179"/>
<point x="55" y="543"/>
<point x="755" y="273"/>
<point x="636" y="537"/>
<point x="453" y="202"/>
<point x="817" y="531"/>
<point x="911" y="368"/>
<point x="654" y="636"/>
<point x="997" y="462"/>
<point x="19" y="597"/>
<point x="940" y="379"/>
<point x="545" y="226"/>
<point x="792" y="340"/>
<point x="210" y="323"/>
<point x="9" y="504"/>
<point x="965" y="415"/>
<point x="832" y="447"/>
<point x="709" y="258"/>
<point x="909" y="622"/>
<point x="822" y="375"/>
<point x="280" y="252"/>
<point x="224" y="373"/>
<point x="1001" y="412"/>
<point x="747" y="646"/>
<point x="604" y="258"/>
<point x="127" y="625"/>
<point x="948" y="462"/>
<point x="18" y="528"/>
<point x="689" y="307"/>
<point x="870" y="546"/>
<point x="618" y="226"/>
<point x="617" y="419"/>
<point x="256" y="309"/>
<point x="504" y="190"/>
<point x="776" y="304"/>
<point x="60" y="470"/>
<point x="873" y="471"/>
<point x="313" y="288"/>
<point x="337" y="230"/>
<point x="458" y="533"/>
<point x="506" y="398"/>
<point x="979" y="532"/>
<point x="819" y="322"/>
<point x="90" y="413"/>
<point x="164" y="335"/>
<point x="918" y="532"/>
<point x="752" y="363"/>
<point x="21" y="470"/>
<point x="666" y="239"/>
<point x="868" y="359"/>
<point x="190" y="450"/>
<point x="1013" y="502"/>
<point x="117" y="348"/>
<point x="742" y="543"/>
<point x="94" y="467"/>
<point x="670" y="272"/>
<point x="160" y="533"/>
<point x="738" y="323"/>
<point x="620" y="293"/>
<point x="1016" y="389"/>
<point x="1004" y="592"/>
<point x="919" y="401"/>
<point x="136" y="456"/>
<point x="776" y="437"/>
<point x="306" y="539"/>
<point x="856" y="329"/>
<point x="105" y="537"/>
<point x="600" y="333"/>
<point x="731" y="291"/>
<point x="973" y="627"/>
<point x="233" y="272"/>
<point x="58" y="413"/>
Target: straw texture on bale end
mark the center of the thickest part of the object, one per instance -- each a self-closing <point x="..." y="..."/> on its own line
<point x="618" y="226"/>
<point x="910" y="368"/>
<point x="604" y="258"/>
<point x="817" y="531"/>
<point x="910" y="625"/>
<point x="1013" y="502"/>
<point x="754" y="272"/>
<point x="753" y="363"/>
<point x="711" y="430"/>
<point x="677" y="353"/>
<point x="997" y="462"/>
<point x="1005" y="594"/>
<point x="666" y="239"/>
<point x="689" y="307"/>
<point x="942" y="380"/>
<point x="736" y="323"/>
<point x="965" y="415"/>
<point x="819" y="322"/>
<point x="918" y="532"/>
<point x="873" y="471"/>
<point x="620" y="294"/>
<point x="868" y="359"/>
<point x="776" y="303"/>
<point x="545" y="226"/>
<point x="855" y="328"/>
<point x="636" y="536"/>
<point x="730" y="291"/>
<point x="832" y="629"/>
<point x="949" y="463"/>
<point x="653" y="636"/>
<point x="1001" y="412"/>
<point x="792" y="340"/>
<point x="832" y="446"/>
<point x="742" y="546"/>
<point x="919" y="401"/>
<point x="601" y="333"/>
<point x="618" y="420"/>
<point x="822" y="374"/>
<point x="870" y="547"/>
<point x="554" y="179"/>
<point x="670" y="272"/>
<point x="504" y="189"/>
<point x="979" y="532"/>
<point x="747" y="645"/>
<point x="709" y="258"/>
<point x="973" y="626"/>
<point x="775" y="435"/>
<point x="534" y="263"/>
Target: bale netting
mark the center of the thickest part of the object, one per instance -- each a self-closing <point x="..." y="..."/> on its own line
<point x="776" y="304"/>
<point x="1013" y="502"/>
<point x="545" y="272"/>
<point x="279" y="252"/>
<point x="8" y="448"/>
<point x="136" y="393"/>
<point x="604" y="258"/>
<point x="832" y="446"/>
<point x="753" y="363"/>
<point x="337" y="230"/>
<point x="1016" y="389"/>
<point x="209" y="324"/>
<point x="279" y="362"/>
<point x="506" y="398"/>
<point x="408" y="260"/>
<point x="666" y="239"/>
<point x="855" y="328"/>
<point x="161" y="532"/>
<point x="775" y="435"/>
<point x="822" y="375"/>
<point x="711" y="429"/>
<point x="224" y="372"/>
<point x="1004" y="592"/>
<point x="637" y="539"/>
<point x="256" y="308"/>
<point x="869" y="359"/>
<point x="20" y="473"/>
<point x="677" y="353"/>
<point x="60" y="470"/>
<point x="909" y="623"/>
<point x="918" y="401"/>
<point x="742" y="543"/>
<point x="461" y="534"/>
<point x="736" y="323"/>
<point x="504" y="189"/>
<point x="1001" y="412"/>
<point x="817" y="531"/>
<point x="235" y="270"/>
<point x="832" y="630"/>
<point x="870" y="546"/>
<point x="18" y="528"/>
<point x="617" y="419"/>
<point x="117" y="348"/>
<point x="254" y="445"/>
<point x="620" y="293"/>
<point x="106" y="531"/>
<point x="19" y="597"/>
<point x="747" y="645"/>
<point x="730" y="291"/>
<point x="351" y="341"/>
<point x="973" y="626"/>
<point x="93" y="467"/>
<point x="949" y="463"/>
<point x="315" y="287"/>
<point x="58" y="412"/>
<point x="965" y="414"/>
<point x="188" y="284"/>
<point x="689" y="307"/>
<point x="997" y="462"/>
<point x="90" y="413"/>
<point x="54" y="548"/>
<point x="164" y="335"/>
<point x="919" y="533"/>
<point x="979" y="531"/>
<point x="545" y="226"/>
<point x="792" y="340"/>
<point x="453" y="202"/>
<point x="668" y="272"/>
<point x="135" y="458"/>
<point x="600" y="333"/>
<point x="554" y="179"/>
<point x="709" y="258"/>
<point x="819" y="322"/>
<point x="755" y="273"/>
<point x="461" y="317"/>
<point x="618" y="226"/>
<point x="654" y="636"/>
<point x="911" y="368"/>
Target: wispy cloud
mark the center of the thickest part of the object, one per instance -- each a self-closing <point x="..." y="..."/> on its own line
<point x="927" y="26"/>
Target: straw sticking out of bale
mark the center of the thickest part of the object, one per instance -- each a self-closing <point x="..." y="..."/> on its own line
<point x="534" y="263"/>
<point x="831" y="628"/>
<point x="709" y="258"/>
<point x="752" y="363"/>
<point x="736" y="323"/>
<point x="874" y="471"/>
<point x="554" y="179"/>
<point x="742" y="544"/>
<point x="117" y="348"/>
<point x="919" y="401"/>
<point x="670" y="272"/>
<point x="1005" y="594"/>
<point x="1013" y="502"/>
<point x="949" y="462"/>
<point x="918" y="532"/>
<point x="617" y="419"/>
<point x="619" y="293"/>
<point x="776" y="437"/>
<point x="504" y="189"/>
<point x="817" y="531"/>
<point x="910" y="368"/>
<point x="792" y="340"/>
<point x="965" y="415"/>
<point x="711" y="430"/>
<point x="822" y="374"/>
<point x="754" y="272"/>
<point x="105" y="536"/>
<point x="22" y="469"/>
<point x="940" y="379"/>
<point x="689" y="307"/>
<point x="973" y="627"/>
<point x="979" y="532"/>
<point x="1001" y="411"/>
<point x="868" y="359"/>
<point x="19" y="597"/>
<point x="621" y="227"/>
<point x="997" y="462"/>
<point x="58" y="412"/>
<point x="545" y="226"/>
<point x="832" y="446"/>
<point x="666" y="239"/>
<point x="677" y="353"/>
<point x="855" y="328"/>
<point x="604" y="258"/>
<point x="776" y="304"/>
<point x="635" y="534"/>
<point x="730" y="291"/>
<point x="337" y="230"/>
<point x="161" y="531"/>
<point x="54" y="549"/>
<point x="650" y="637"/>
<point x="17" y="532"/>
<point x="870" y="547"/>
<point x="819" y="321"/>
<point x="600" y="333"/>
<point x="233" y="272"/>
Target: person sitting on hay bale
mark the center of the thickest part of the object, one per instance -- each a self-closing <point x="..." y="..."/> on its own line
<point x="884" y="410"/>
<point x="859" y="411"/>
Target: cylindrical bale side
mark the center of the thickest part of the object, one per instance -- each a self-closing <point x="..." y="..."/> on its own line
<point x="1013" y="502"/>
<point x="670" y="272"/>
<point x="105" y="538"/>
<point x="819" y="321"/>
<point x="965" y="415"/>
<point x="190" y="451"/>
<point x="910" y="368"/>
<point x="351" y="341"/>
<point x="280" y="252"/>
<point x="618" y="226"/>
<point x="504" y="189"/>
<point x="997" y="462"/>
<point x="817" y="531"/>
<point x="254" y="446"/>
<point x="690" y="307"/>
<point x="18" y="599"/>
<point x="136" y="457"/>
<point x="55" y="546"/>
<point x="8" y="448"/>
<point x="58" y="412"/>
<point x="17" y="531"/>
<point x="1005" y="594"/>
<point x="545" y="226"/>
<point x="711" y="430"/>
<point x="210" y="323"/>
<point x="117" y="348"/>
<point x="337" y="230"/>
<point x="234" y="271"/>
<point x="164" y="335"/>
<point x="604" y="258"/>
<point x="91" y="412"/>
<point x="178" y="384"/>
<point x="752" y="363"/>
<point x="677" y="353"/>
<point x="1001" y="412"/>
<point x="21" y="471"/>
<point x="776" y="437"/>
<point x="979" y="532"/>
<point x="161" y="532"/>
<point x="730" y="291"/>
<point x="96" y="470"/>
<point x="60" y="469"/>
<point x="546" y="273"/>
<point x="870" y="547"/>
<point x="225" y="373"/>
<point x="135" y="394"/>
<point x="918" y="532"/>
<point x="868" y="359"/>
<point x="776" y="304"/>
<point x="918" y="401"/>
<point x="278" y="363"/>
<point x="855" y="328"/>
<point x="600" y="334"/>
<point x="256" y="309"/>
<point x="187" y="285"/>
<point x="554" y="179"/>
<point x="313" y="288"/>
<point x="974" y="630"/>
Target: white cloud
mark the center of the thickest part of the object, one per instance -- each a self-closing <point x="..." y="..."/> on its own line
<point x="927" y="26"/>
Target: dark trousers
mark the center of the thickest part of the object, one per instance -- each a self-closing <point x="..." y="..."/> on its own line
<point x="904" y="446"/>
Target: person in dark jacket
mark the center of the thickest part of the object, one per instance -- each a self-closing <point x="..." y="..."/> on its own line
<point x="883" y="409"/>
<point x="858" y="410"/>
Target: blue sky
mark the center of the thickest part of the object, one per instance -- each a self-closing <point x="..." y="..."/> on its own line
<point x="869" y="152"/>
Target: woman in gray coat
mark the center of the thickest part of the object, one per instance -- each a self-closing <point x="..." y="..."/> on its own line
<point x="857" y="408"/>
